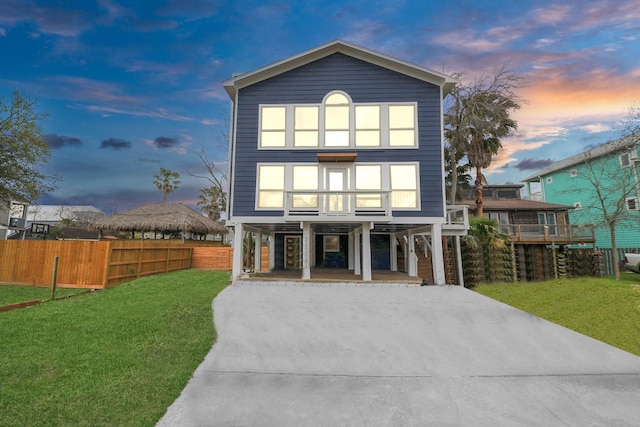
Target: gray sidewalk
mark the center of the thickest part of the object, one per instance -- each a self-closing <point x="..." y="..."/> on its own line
<point x="307" y="354"/>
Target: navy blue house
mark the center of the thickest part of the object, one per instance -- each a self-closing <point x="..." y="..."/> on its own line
<point x="336" y="154"/>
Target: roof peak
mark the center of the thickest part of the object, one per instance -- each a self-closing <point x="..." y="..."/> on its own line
<point x="242" y="80"/>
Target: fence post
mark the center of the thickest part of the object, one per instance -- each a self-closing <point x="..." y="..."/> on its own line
<point x="54" y="277"/>
<point x="555" y="261"/>
<point x="514" y="265"/>
<point x="139" y="262"/>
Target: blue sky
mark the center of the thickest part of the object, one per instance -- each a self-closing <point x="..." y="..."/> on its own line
<point x="130" y="87"/>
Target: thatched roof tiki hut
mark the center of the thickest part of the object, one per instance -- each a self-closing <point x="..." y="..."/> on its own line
<point x="165" y="218"/>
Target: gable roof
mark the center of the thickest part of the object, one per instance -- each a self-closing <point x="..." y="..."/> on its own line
<point x="338" y="46"/>
<point x="602" y="150"/>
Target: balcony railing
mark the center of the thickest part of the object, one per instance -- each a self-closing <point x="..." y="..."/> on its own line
<point x="549" y="233"/>
<point x="457" y="218"/>
<point x="335" y="205"/>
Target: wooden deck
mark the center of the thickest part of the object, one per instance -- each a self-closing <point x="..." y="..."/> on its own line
<point x="336" y="275"/>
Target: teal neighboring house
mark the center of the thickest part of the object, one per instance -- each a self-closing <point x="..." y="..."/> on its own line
<point x="613" y="167"/>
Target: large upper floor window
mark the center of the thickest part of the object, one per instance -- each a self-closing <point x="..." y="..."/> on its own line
<point x="338" y="122"/>
<point x="273" y="126"/>
<point x="270" y="186"/>
<point x="367" y="185"/>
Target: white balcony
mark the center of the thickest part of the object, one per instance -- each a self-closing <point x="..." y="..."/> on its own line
<point x="457" y="220"/>
<point x="336" y="206"/>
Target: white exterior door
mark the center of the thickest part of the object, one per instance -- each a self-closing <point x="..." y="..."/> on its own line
<point x="337" y="182"/>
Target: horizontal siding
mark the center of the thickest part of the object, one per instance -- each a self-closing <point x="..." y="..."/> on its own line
<point x="567" y="190"/>
<point x="363" y="82"/>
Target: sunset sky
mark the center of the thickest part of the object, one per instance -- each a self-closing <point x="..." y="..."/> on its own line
<point x="130" y="87"/>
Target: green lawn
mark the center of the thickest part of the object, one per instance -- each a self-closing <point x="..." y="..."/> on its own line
<point x="14" y="294"/>
<point x="602" y="308"/>
<point x="117" y="357"/>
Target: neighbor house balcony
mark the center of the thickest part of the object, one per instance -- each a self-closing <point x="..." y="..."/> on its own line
<point x="547" y="234"/>
<point x="336" y="206"/>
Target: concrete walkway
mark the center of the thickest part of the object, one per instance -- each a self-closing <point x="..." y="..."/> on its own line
<point x="292" y="354"/>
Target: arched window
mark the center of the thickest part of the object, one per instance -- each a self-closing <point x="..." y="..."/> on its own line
<point x="336" y="120"/>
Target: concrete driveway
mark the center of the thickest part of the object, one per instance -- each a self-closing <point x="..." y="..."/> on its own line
<point x="296" y="354"/>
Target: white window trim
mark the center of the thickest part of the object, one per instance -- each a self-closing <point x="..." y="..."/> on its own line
<point x="549" y="180"/>
<point x="384" y="127"/>
<point x="257" y="189"/>
<point x="322" y="168"/>
<point x="573" y="173"/>
<point x="577" y="205"/>
<point x="635" y="199"/>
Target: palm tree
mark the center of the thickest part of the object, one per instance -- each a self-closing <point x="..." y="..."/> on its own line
<point x="489" y="122"/>
<point x="166" y="182"/>
<point x="477" y="118"/>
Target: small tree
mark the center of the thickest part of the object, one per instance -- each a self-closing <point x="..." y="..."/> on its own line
<point x="23" y="150"/>
<point x="605" y="201"/>
<point x="166" y="182"/>
<point x="213" y="199"/>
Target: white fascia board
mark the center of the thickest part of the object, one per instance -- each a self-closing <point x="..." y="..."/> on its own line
<point x="323" y="220"/>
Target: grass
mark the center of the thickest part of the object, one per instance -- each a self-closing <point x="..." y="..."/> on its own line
<point x="602" y="308"/>
<point x="15" y="294"/>
<point x="114" y="357"/>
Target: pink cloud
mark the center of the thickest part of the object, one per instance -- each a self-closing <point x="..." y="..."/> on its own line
<point x="158" y="113"/>
<point x="87" y="90"/>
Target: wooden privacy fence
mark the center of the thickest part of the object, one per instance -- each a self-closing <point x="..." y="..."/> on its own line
<point x="83" y="264"/>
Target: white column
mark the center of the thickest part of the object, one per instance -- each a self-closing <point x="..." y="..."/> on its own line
<point x="257" y="250"/>
<point x="236" y="268"/>
<point x="272" y="252"/>
<point x="412" y="258"/>
<point x="437" y="259"/>
<point x="306" y="250"/>
<point x="366" y="252"/>
<point x="356" y="252"/>
<point x="393" y="250"/>
<point x="350" y="251"/>
<point x="459" y="262"/>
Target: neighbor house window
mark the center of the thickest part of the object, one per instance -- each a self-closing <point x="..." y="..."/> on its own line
<point x="549" y="180"/>
<point x="502" y="219"/>
<point x="632" y="204"/>
<point x="270" y="186"/>
<point x="306" y="126"/>
<point x="573" y="173"/>
<point x="273" y="125"/>
<point x="625" y="160"/>
<point x="336" y="121"/>
<point x="404" y="186"/>
<point x="402" y="126"/>
<point x="548" y="219"/>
